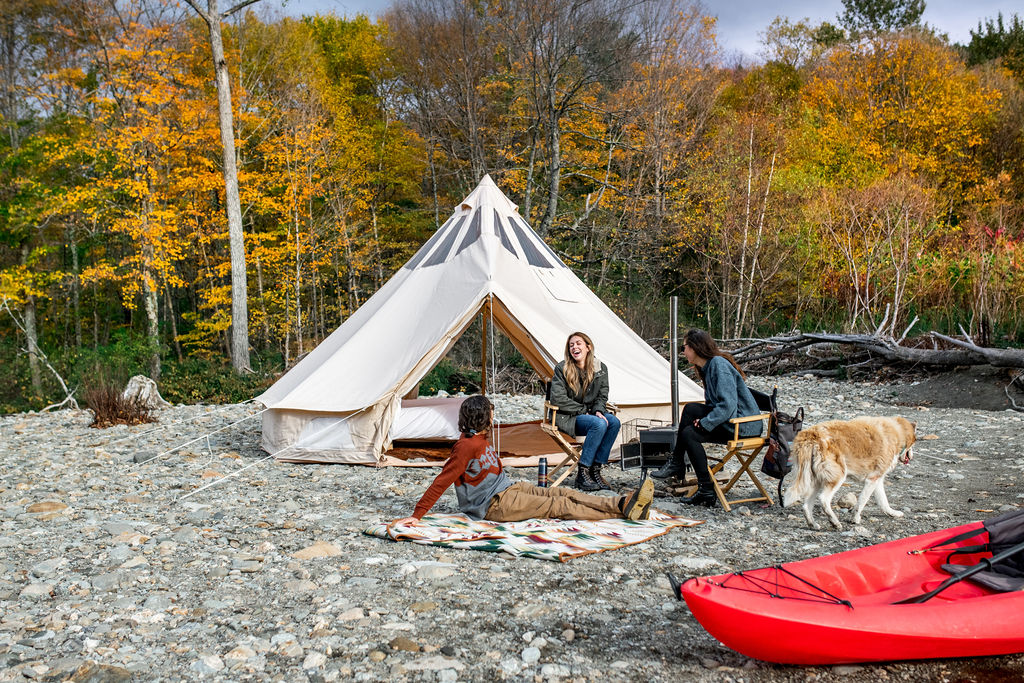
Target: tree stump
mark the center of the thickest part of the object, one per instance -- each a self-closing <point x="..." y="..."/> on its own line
<point x="143" y="390"/>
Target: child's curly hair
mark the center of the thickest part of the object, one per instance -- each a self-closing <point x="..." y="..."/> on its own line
<point x="475" y="415"/>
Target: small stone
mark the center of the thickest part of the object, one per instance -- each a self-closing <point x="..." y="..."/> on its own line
<point x="568" y="635"/>
<point x="106" y="582"/>
<point x="240" y="654"/>
<point x="351" y="614"/>
<point x="37" y="591"/>
<point x="554" y="671"/>
<point x="247" y="566"/>
<point x="846" y="670"/>
<point x="847" y="501"/>
<point x="210" y="664"/>
<point x="404" y="644"/>
<point x="376" y="656"/>
<point x="48" y="567"/>
<point x="46" y="506"/>
<point x="318" y="549"/>
<point x="314" y="661"/>
<point x="435" y="571"/>
<point x="91" y="672"/>
<point x="531" y="655"/>
<point x="425" y="606"/>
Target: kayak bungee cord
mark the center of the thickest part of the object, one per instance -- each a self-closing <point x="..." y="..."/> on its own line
<point x="764" y="585"/>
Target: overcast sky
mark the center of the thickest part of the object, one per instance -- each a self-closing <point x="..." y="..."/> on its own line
<point x="740" y="21"/>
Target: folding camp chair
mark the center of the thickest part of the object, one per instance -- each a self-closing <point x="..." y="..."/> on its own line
<point x="744" y="450"/>
<point x="567" y="444"/>
<point x="571" y="446"/>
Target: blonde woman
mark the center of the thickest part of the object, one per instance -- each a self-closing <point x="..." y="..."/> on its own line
<point x="579" y="388"/>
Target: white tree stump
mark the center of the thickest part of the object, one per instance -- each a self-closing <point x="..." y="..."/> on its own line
<point x="142" y="389"/>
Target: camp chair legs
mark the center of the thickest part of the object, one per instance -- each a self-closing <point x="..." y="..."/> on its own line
<point x="570" y="464"/>
<point x="571" y="449"/>
<point x="744" y="451"/>
<point x="745" y="458"/>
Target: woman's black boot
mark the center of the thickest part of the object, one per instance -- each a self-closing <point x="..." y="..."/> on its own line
<point x="595" y="474"/>
<point x="671" y="468"/>
<point x="585" y="481"/>
<point x="705" y="497"/>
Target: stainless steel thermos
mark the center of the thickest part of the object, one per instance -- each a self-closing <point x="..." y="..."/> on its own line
<point x="542" y="473"/>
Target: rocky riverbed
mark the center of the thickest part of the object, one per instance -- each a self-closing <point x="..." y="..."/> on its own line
<point x="113" y="569"/>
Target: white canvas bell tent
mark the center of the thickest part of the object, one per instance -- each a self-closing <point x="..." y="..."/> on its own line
<point x="342" y="401"/>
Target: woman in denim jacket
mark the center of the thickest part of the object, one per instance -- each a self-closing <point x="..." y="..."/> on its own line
<point x="725" y="396"/>
<point x="579" y="388"/>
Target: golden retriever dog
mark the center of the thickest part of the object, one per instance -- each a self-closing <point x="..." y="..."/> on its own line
<point x="866" y="448"/>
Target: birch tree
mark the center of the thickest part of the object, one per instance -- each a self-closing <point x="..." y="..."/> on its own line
<point x="239" y="294"/>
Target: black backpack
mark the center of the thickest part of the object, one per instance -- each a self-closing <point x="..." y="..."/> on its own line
<point x="782" y="428"/>
<point x="1004" y="532"/>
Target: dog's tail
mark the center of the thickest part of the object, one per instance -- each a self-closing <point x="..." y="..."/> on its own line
<point x="804" y="451"/>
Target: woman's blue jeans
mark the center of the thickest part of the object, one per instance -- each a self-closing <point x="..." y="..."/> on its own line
<point x="597" y="447"/>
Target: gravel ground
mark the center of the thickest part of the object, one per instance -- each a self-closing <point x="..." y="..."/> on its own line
<point x="109" y="573"/>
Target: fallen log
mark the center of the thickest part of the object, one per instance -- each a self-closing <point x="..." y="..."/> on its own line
<point x="962" y="353"/>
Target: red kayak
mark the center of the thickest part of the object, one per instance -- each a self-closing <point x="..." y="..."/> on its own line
<point x="842" y="609"/>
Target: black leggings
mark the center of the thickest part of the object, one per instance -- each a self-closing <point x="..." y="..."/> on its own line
<point x="690" y="440"/>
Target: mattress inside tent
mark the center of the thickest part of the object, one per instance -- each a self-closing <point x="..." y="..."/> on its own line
<point x="425" y="429"/>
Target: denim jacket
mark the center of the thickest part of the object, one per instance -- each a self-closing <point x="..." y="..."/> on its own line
<point x="727" y="395"/>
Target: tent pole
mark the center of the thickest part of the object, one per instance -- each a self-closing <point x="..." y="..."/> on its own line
<point x="483" y="345"/>
<point x="673" y="339"/>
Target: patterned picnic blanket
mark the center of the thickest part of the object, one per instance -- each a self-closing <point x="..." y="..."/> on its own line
<point x="542" y="539"/>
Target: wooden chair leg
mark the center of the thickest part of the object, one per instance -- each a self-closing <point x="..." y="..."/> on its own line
<point x="556" y="481"/>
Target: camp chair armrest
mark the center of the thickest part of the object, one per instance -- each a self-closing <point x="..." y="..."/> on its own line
<point x="737" y="421"/>
<point x="612" y="408"/>
<point x="749" y="418"/>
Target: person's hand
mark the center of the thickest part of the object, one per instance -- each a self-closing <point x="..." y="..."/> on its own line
<point x="696" y="423"/>
<point x="408" y="521"/>
<point x="601" y="415"/>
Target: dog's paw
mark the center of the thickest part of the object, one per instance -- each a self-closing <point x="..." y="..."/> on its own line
<point x="856" y="520"/>
<point x="894" y="513"/>
<point x="837" y="524"/>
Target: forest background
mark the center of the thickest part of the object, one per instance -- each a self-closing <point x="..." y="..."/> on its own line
<point x="866" y="174"/>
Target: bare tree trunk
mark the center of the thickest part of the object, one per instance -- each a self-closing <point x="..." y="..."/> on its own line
<point x="433" y="185"/>
<point x="75" y="292"/>
<point x="31" y="334"/>
<point x="239" y="295"/>
<point x="32" y="345"/>
<point x="169" y="306"/>
<point x="149" y="296"/>
<point x="554" y="176"/>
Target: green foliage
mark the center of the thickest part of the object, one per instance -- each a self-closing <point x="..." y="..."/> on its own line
<point x="996" y="40"/>
<point x="880" y="16"/>
<point x="198" y="380"/>
<point x="448" y="377"/>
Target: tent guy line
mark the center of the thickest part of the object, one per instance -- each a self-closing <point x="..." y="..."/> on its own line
<point x="200" y="438"/>
<point x="220" y="409"/>
<point x="242" y="469"/>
